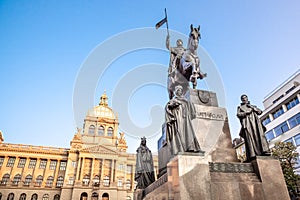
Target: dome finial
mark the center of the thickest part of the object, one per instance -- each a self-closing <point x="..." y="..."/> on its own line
<point x="104" y="99"/>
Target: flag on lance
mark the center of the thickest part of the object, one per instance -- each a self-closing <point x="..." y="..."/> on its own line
<point x="161" y="22"/>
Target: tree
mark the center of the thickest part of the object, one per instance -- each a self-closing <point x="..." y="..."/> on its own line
<point x="286" y="153"/>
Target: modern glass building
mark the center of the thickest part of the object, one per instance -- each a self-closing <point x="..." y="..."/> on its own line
<point x="281" y="115"/>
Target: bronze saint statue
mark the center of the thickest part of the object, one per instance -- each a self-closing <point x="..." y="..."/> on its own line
<point x="144" y="171"/>
<point x="181" y="136"/>
<point x="175" y="57"/>
<point x="252" y="130"/>
<point x="184" y="66"/>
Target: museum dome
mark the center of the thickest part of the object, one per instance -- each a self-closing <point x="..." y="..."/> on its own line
<point x="102" y="110"/>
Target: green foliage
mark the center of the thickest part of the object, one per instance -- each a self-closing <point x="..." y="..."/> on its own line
<point x="286" y="153"/>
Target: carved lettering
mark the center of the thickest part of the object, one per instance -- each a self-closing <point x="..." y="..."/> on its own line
<point x="210" y="115"/>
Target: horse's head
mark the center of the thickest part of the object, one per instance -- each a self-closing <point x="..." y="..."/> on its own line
<point x="194" y="37"/>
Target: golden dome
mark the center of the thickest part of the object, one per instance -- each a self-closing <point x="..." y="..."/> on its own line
<point x="102" y="110"/>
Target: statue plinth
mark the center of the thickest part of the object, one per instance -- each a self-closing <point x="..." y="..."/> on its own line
<point x="211" y="128"/>
<point x="196" y="178"/>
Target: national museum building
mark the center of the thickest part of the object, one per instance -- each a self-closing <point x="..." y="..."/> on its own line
<point x="96" y="166"/>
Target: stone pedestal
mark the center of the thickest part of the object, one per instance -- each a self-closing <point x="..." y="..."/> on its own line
<point x="217" y="174"/>
<point x="195" y="178"/>
<point x="271" y="177"/>
<point x="211" y="128"/>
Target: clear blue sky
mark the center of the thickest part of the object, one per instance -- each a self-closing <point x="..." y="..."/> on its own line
<point x="254" y="44"/>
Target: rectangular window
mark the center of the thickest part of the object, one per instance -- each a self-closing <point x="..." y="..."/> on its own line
<point x="11" y="161"/>
<point x="43" y="164"/>
<point x="284" y="127"/>
<point x="1" y="161"/>
<point x="266" y="121"/>
<point x="292" y="103"/>
<point x="278" y="99"/>
<point x="278" y="112"/>
<point x="21" y="163"/>
<point x="289" y="90"/>
<point x="297" y="139"/>
<point x="32" y="163"/>
<point x="298" y="118"/>
<point x="129" y="169"/>
<point x="280" y="129"/>
<point x="52" y="164"/>
<point x="121" y="167"/>
<point x="269" y="135"/>
<point x="63" y="165"/>
<point x="294" y="121"/>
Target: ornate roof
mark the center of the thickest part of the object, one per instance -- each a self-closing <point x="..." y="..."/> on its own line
<point x="102" y="110"/>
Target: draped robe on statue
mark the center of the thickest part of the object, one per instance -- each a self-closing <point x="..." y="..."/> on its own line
<point x="252" y="131"/>
<point x="144" y="172"/>
<point x="181" y="136"/>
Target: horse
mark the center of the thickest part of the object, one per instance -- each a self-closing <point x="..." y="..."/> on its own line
<point x="187" y="69"/>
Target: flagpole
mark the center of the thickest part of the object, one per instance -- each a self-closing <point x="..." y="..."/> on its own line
<point x="167" y="21"/>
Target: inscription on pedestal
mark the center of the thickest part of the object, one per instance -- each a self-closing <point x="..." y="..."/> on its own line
<point x="231" y="167"/>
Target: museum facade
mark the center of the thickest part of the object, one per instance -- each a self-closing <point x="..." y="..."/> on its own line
<point x="96" y="166"/>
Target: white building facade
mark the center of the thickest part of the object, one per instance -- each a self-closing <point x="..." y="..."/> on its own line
<point x="281" y="115"/>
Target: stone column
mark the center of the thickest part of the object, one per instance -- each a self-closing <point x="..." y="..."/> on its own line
<point x="38" y="161"/>
<point x="92" y="171"/>
<point x="55" y="175"/>
<point x="82" y="169"/>
<point x="284" y="108"/>
<point x="112" y="173"/>
<point x="271" y="117"/>
<point x="102" y="171"/>
<point x="78" y="169"/>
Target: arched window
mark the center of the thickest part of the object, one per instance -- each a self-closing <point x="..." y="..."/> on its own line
<point x="5" y="179"/>
<point x="95" y="196"/>
<point x="45" y="197"/>
<point x="105" y="196"/>
<point x="49" y="181"/>
<point x="106" y="181"/>
<point x="83" y="196"/>
<point x="92" y="130"/>
<point x="101" y="130"/>
<point x="17" y="179"/>
<point x="23" y="196"/>
<point x="34" y="197"/>
<point x="11" y="196"/>
<point x="39" y="180"/>
<point x="60" y="181"/>
<point x="56" y="197"/>
<point x="86" y="180"/>
<point x="110" y="131"/>
<point x="28" y="180"/>
<point x="96" y="180"/>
